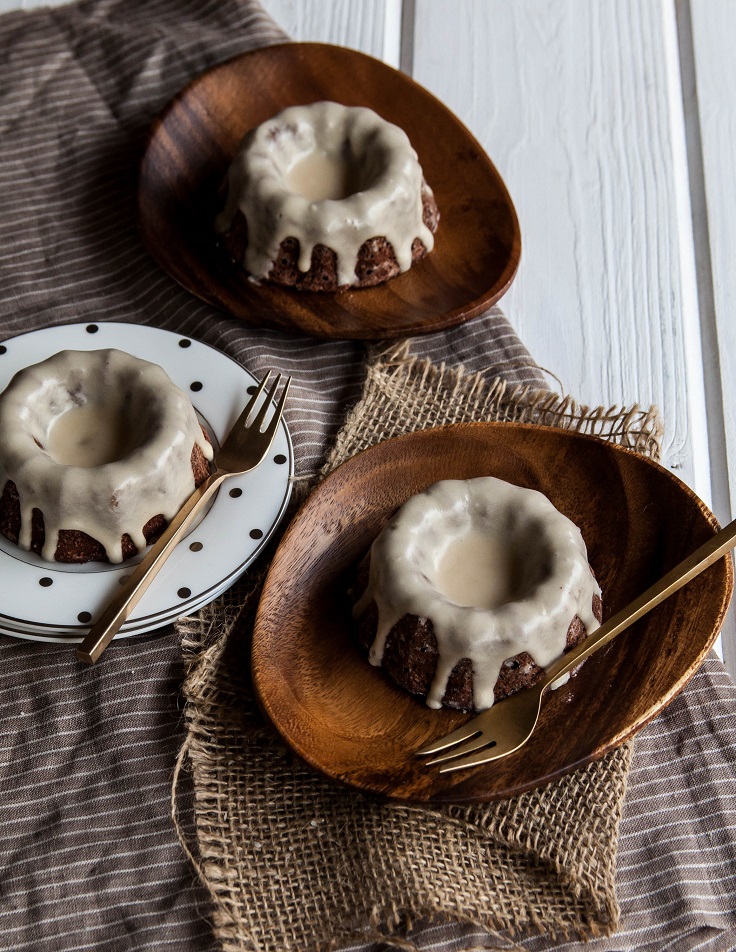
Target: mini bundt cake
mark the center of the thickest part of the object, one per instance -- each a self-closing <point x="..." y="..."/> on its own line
<point x="98" y="451"/>
<point x="325" y="197"/>
<point x="472" y="589"/>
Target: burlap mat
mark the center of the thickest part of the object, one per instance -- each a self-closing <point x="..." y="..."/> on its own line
<point x="295" y="862"/>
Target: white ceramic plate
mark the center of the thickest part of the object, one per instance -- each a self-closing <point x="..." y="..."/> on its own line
<point x="48" y="601"/>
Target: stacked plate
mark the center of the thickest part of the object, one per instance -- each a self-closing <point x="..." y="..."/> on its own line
<point x="49" y="601"/>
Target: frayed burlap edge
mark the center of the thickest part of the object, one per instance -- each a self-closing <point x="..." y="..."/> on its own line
<point x="405" y="393"/>
<point x="443" y="395"/>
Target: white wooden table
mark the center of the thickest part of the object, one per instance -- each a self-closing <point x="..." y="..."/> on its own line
<point x="613" y="123"/>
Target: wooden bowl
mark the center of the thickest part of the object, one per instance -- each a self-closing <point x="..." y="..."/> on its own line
<point x="478" y="243"/>
<point x="349" y="721"/>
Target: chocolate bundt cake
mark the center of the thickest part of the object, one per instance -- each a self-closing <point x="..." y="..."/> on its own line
<point x="472" y="589"/>
<point x="325" y="197"/>
<point x="98" y="451"/>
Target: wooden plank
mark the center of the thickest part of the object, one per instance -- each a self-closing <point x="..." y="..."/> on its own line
<point x="358" y="24"/>
<point x="713" y="28"/>
<point x="575" y="105"/>
<point x="709" y="28"/>
<point x="7" y="5"/>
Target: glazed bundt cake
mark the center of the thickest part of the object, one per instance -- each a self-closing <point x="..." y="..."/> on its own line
<point x="325" y="197"/>
<point x="98" y="451"/>
<point x="472" y="589"/>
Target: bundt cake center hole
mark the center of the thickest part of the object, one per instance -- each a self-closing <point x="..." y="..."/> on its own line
<point x="90" y="434"/>
<point x="320" y="175"/>
<point x="482" y="569"/>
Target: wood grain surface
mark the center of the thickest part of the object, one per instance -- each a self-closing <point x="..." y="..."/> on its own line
<point x="350" y="722"/>
<point x="711" y="115"/>
<point x="477" y="244"/>
<point x="581" y="110"/>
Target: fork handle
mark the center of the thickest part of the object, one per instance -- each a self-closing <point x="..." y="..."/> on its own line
<point x="122" y="604"/>
<point x="708" y="553"/>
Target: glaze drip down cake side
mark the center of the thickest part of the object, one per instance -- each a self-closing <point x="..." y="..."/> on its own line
<point x="98" y="452"/>
<point x="324" y="197"/>
<point x="472" y="589"/>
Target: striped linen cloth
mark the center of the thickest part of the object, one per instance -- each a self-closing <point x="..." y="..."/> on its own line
<point x="88" y="854"/>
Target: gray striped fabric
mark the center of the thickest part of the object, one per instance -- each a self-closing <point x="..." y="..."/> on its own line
<point x="88" y="854"/>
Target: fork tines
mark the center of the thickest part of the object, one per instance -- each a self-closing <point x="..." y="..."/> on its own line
<point x="476" y="743"/>
<point x="269" y="399"/>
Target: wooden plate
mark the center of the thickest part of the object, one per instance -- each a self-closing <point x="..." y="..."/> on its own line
<point x="477" y="244"/>
<point x="350" y="722"/>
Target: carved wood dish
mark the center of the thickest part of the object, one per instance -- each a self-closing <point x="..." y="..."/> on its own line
<point x="477" y="246"/>
<point x="349" y="721"/>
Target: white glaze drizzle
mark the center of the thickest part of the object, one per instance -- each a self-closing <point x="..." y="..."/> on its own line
<point x="553" y="581"/>
<point x="153" y="477"/>
<point x="387" y="204"/>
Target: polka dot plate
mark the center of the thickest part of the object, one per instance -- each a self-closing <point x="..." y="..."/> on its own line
<point x="48" y="601"/>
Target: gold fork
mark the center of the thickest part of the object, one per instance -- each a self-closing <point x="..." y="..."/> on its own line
<point x="245" y="447"/>
<point x="508" y="725"/>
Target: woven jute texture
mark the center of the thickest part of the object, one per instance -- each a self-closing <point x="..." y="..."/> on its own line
<point x="295" y="862"/>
